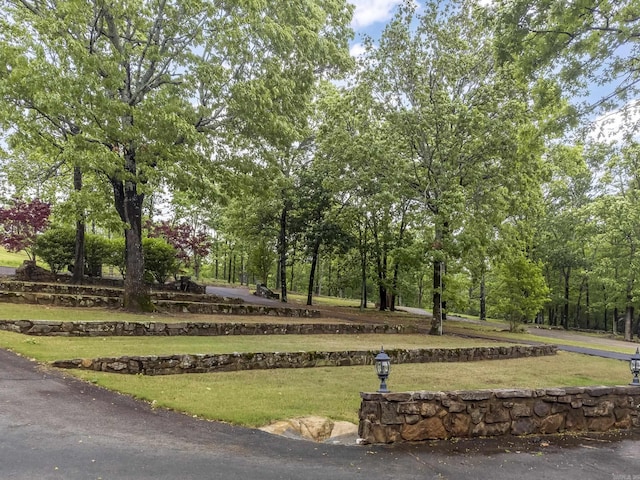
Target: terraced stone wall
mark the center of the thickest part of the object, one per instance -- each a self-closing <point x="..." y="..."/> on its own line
<point x="142" y="329"/>
<point x="420" y="416"/>
<point x="175" y="364"/>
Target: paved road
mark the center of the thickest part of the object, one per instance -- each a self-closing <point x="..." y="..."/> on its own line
<point x="7" y="271"/>
<point x="243" y="293"/>
<point x="56" y="427"/>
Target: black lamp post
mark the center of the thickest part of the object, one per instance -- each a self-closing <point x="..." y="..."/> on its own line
<point x="634" y="366"/>
<point x="383" y="365"/>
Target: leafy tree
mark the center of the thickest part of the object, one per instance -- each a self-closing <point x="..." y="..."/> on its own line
<point x="144" y="92"/>
<point x="519" y="289"/>
<point x="463" y="125"/>
<point x="191" y="246"/>
<point x="20" y="224"/>
<point x="564" y="232"/>
<point x="591" y="42"/>
<point x="262" y="258"/>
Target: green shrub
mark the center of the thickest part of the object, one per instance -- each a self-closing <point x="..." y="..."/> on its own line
<point x="96" y="253"/>
<point x="159" y="258"/>
<point x="56" y="247"/>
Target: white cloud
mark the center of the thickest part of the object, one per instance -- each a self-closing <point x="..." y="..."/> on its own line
<point x="616" y="126"/>
<point x="356" y="50"/>
<point x="368" y="12"/>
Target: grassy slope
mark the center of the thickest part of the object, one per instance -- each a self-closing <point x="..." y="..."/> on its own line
<point x="52" y="348"/>
<point x="259" y="397"/>
<point x="8" y="259"/>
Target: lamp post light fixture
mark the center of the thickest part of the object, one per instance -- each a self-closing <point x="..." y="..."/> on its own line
<point x="383" y="365"/>
<point x="634" y="365"/>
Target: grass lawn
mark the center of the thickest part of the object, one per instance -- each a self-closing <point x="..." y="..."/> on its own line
<point x="14" y="311"/>
<point x="259" y="397"/>
<point x="8" y="259"/>
<point x="595" y="340"/>
<point x="46" y="349"/>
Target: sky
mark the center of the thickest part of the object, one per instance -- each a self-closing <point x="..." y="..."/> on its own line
<point x="370" y="18"/>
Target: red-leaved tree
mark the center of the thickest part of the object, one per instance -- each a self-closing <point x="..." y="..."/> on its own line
<point x="20" y="224"/>
<point x="191" y="245"/>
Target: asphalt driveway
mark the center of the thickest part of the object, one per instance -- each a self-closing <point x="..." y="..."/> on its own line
<point x="55" y="427"/>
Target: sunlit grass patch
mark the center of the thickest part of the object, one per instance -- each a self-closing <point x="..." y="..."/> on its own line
<point x="258" y="397"/>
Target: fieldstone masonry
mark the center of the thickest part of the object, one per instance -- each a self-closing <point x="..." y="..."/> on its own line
<point x="420" y="416"/>
<point x="142" y="329"/>
<point x="205" y="363"/>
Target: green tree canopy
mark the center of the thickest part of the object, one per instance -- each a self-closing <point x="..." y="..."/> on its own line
<point x="153" y="91"/>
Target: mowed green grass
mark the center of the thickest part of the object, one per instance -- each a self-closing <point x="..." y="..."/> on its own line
<point x="591" y="340"/>
<point x="46" y="349"/>
<point x="14" y="311"/>
<point x="9" y="259"/>
<point x="259" y="397"/>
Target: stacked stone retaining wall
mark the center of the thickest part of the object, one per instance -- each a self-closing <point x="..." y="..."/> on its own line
<point x="421" y="416"/>
<point x="20" y="289"/>
<point x="106" y="329"/>
<point x="205" y="363"/>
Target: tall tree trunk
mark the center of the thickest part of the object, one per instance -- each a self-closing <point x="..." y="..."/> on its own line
<point x="217" y="259"/>
<point x="565" y="310"/>
<point x="628" y="317"/>
<point x="606" y="313"/>
<point x="233" y="270"/>
<point x="588" y="301"/>
<point x="380" y="268"/>
<point x="78" y="262"/>
<point x="283" y="254"/>
<point x="483" y="297"/>
<point x="291" y="277"/>
<point x="443" y="288"/>
<point x="363" y="267"/>
<point x="382" y="281"/>
<point x="396" y="268"/>
<point x="128" y="204"/>
<point x="628" y="322"/>
<point x="318" y="284"/>
<point x="438" y="287"/>
<point x="436" y="322"/>
<point x="577" y="318"/>
<point x="394" y="288"/>
<point x="312" y="274"/>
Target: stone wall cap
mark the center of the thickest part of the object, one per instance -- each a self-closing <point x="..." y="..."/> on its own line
<point x="397" y="396"/>
<point x="514" y="393"/>
<point x="474" y="395"/>
<point x="556" y="392"/>
<point x="599" y="391"/>
<point x="372" y="396"/>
